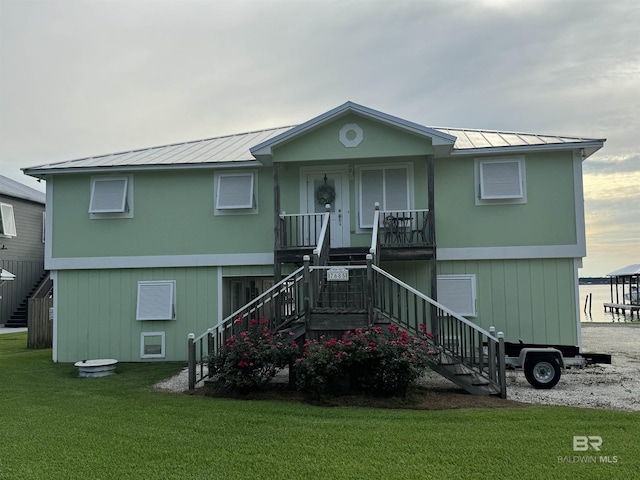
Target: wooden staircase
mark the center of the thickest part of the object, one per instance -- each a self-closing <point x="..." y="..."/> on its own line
<point x="342" y="289"/>
<point x="19" y="318"/>
<point x="308" y="304"/>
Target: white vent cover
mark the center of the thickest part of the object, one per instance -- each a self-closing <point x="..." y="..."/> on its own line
<point x="156" y="300"/>
<point x="108" y="195"/>
<point x="235" y="191"/>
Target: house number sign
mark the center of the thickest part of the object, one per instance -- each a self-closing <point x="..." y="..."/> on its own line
<point x="337" y="275"/>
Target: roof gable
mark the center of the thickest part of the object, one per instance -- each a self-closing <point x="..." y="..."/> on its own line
<point x="352" y="110"/>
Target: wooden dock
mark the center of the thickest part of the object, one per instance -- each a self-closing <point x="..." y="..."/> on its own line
<point x="622" y="308"/>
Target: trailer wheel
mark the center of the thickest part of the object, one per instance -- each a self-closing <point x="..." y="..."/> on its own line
<point x="542" y="371"/>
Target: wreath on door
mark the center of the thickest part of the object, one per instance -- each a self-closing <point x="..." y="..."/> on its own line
<point x="325" y="194"/>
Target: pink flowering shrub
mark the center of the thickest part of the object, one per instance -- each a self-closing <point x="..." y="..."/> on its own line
<point x="381" y="361"/>
<point x="249" y="359"/>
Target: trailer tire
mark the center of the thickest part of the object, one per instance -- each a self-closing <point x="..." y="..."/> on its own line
<point x="542" y="371"/>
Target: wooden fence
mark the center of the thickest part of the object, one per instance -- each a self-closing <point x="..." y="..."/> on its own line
<point x="40" y="326"/>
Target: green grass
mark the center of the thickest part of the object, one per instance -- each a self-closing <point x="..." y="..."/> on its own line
<point x="55" y="425"/>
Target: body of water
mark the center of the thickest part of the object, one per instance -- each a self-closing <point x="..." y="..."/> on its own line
<point x="599" y="295"/>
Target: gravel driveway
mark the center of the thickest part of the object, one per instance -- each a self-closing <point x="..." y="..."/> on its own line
<point x="611" y="387"/>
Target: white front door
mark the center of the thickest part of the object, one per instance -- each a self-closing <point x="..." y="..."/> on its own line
<point x="337" y="181"/>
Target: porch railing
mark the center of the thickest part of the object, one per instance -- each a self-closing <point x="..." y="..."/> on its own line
<point x="284" y="301"/>
<point x="404" y="228"/>
<point x="453" y="335"/>
<point x="303" y="230"/>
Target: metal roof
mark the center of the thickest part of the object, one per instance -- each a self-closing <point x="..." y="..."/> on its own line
<point x="236" y="149"/>
<point x="11" y="188"/>
<point x="629" y="270"/>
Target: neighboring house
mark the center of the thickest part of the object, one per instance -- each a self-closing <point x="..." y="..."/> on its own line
<point x="149" y="245"/>
<point x="21" y="248"/>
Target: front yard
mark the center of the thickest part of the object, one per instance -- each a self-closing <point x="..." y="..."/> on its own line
<point x="55" y="425"/>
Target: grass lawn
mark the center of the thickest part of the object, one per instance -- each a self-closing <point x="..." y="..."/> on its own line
<point x="54" y="425"/>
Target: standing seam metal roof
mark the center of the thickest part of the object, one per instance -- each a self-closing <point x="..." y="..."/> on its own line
<point x="236" y="148"/>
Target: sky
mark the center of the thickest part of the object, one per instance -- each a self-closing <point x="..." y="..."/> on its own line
<point x="80" y="78"/>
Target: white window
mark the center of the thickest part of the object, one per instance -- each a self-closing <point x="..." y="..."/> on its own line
<point x="156" y="300"/>
<point x="152" y="345"/>
<point x="7" y="221"/>
<point x="458" y="293"/>
<point x="387" y="185"/>
<point x="500" y="180"/>
<point x="111" y="197"/>
<point x="235" y="191"/>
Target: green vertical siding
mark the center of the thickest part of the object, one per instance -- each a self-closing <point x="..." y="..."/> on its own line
<point x="529" y="300"/>
<point x="96" y="312"/>
<point x="547" y="218"/>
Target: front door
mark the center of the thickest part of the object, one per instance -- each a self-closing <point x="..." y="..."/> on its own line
<point x="331" y="185"/>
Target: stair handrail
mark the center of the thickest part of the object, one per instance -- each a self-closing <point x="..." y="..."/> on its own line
<point x="375" y="235"/>
<point x="321" y="252"/>
<point x="446" y="335"/>
<point x="209" y="342"/>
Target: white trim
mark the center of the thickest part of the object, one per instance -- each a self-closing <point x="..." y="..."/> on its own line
<point x="48" y="208"/>
<point x="577" y="263"/>
<point x="579" y="203"/>
<point x="155" y="261"/>
<point x="54" y="343"/>
<point x="596" y="145"/>
<point x="163" y="350"/>
<point x="502" y="253"/>
<point x="220" y="292"/>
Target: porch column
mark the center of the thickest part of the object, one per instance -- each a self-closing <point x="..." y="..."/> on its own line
<point x="277" y="274"/>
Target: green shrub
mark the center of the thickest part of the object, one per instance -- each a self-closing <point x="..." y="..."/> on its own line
<point x="375" y="361"/>
<point x="249" y="359"/>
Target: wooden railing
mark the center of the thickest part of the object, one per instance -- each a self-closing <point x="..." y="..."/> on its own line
<point x="364" y="289"/>
<point x="284" y="301"/>
<point x="453" y="335"/>
<point x="303" y="230"/>
<point x="404" y="228"/>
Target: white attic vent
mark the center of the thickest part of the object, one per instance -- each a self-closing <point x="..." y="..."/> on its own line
<point x="108" y="195"/>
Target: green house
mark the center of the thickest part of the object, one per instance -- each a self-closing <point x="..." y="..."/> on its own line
<point x="148" y="246"/>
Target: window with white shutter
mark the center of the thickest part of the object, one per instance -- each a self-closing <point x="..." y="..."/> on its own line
<point x="156" y="300"/>
<point x="235" y="191"/>
<point x="7" y="221"/>
<point x="111" y="197"/>
<point x="387" y="185"/>
<point x="458" y="293"/>
<point x="500" y="181"/>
